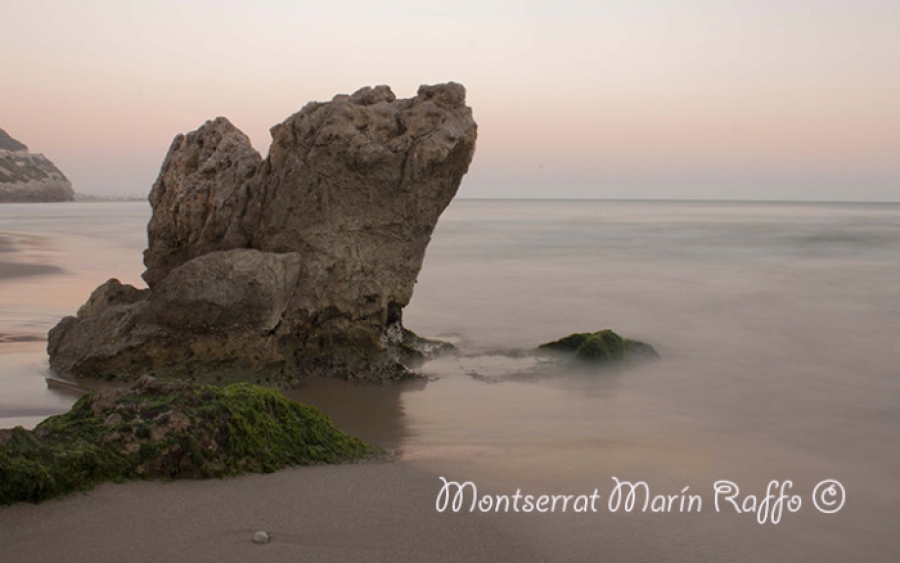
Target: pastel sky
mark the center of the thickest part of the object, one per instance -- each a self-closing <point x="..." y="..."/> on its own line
<point x="634" y="99"/>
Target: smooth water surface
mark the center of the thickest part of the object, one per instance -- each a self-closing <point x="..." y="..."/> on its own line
<point x="778" y="326"/>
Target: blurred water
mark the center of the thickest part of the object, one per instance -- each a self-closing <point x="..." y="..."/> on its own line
<point x="54" y="255"/>
<point x="777" y="325"/>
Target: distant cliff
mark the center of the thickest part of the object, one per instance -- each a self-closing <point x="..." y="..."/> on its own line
<point x="29" y="177"/>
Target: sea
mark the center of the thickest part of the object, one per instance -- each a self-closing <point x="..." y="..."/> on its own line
<point x="775" y="400"/>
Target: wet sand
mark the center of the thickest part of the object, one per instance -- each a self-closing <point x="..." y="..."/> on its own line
<point x="25" y="399"/>
<point x="9" y="270"/>
<point x="16" y="338"/>
<point x="23" y="247"/>
<point x="379" y="511"/>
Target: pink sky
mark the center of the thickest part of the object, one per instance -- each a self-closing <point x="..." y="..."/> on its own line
<point x="640" y="99"/>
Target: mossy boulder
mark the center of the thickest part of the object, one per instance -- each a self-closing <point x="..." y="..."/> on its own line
<point x="168" y="431"/>
<point x="604" y="346"/>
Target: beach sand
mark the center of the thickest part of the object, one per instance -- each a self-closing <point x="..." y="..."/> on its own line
<point x="376" y="511"/>
<point x="9" y="270"/>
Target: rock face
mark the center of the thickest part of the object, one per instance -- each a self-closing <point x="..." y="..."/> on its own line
<point x="28" y="177"/>
<point x="299" y="263"/>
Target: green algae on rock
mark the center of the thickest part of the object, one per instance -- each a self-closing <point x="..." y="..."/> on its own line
<point x="603" y="346"/>
<point x="167" y="431"/>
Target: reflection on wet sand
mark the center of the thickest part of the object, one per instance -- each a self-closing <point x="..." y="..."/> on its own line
<point x="375" y="414"/>
<point x="26" y="399"/>
<point x="25" y="255"/>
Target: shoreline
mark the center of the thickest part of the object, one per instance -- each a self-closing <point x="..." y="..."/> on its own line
<point x="371" y="511"/>
<point x="14" y="243"/>
<point x="16" y="270"/>
<point x="7" y="338"/>
<point x="26" y="399"/>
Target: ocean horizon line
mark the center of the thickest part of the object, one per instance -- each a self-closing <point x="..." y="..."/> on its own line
<point x="95" y="198"/>
<point x="685" y="200"/>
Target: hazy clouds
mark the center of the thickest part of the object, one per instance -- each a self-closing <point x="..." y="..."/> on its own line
<point x="644" y="99"/>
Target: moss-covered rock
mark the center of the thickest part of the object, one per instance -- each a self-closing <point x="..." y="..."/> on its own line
<point x="604" y="346"/>
<point x="167" y="431"/>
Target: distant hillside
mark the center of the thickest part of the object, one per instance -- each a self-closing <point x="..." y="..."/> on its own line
<point x="10" y="144"/>
<point x="29" y="177"/>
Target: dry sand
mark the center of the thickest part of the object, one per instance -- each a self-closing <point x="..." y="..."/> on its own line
<point x="379" y="511"/>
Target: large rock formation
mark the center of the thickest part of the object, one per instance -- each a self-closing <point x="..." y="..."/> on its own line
<point x="29" y="177"/>
<point x="299" y="263"/>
